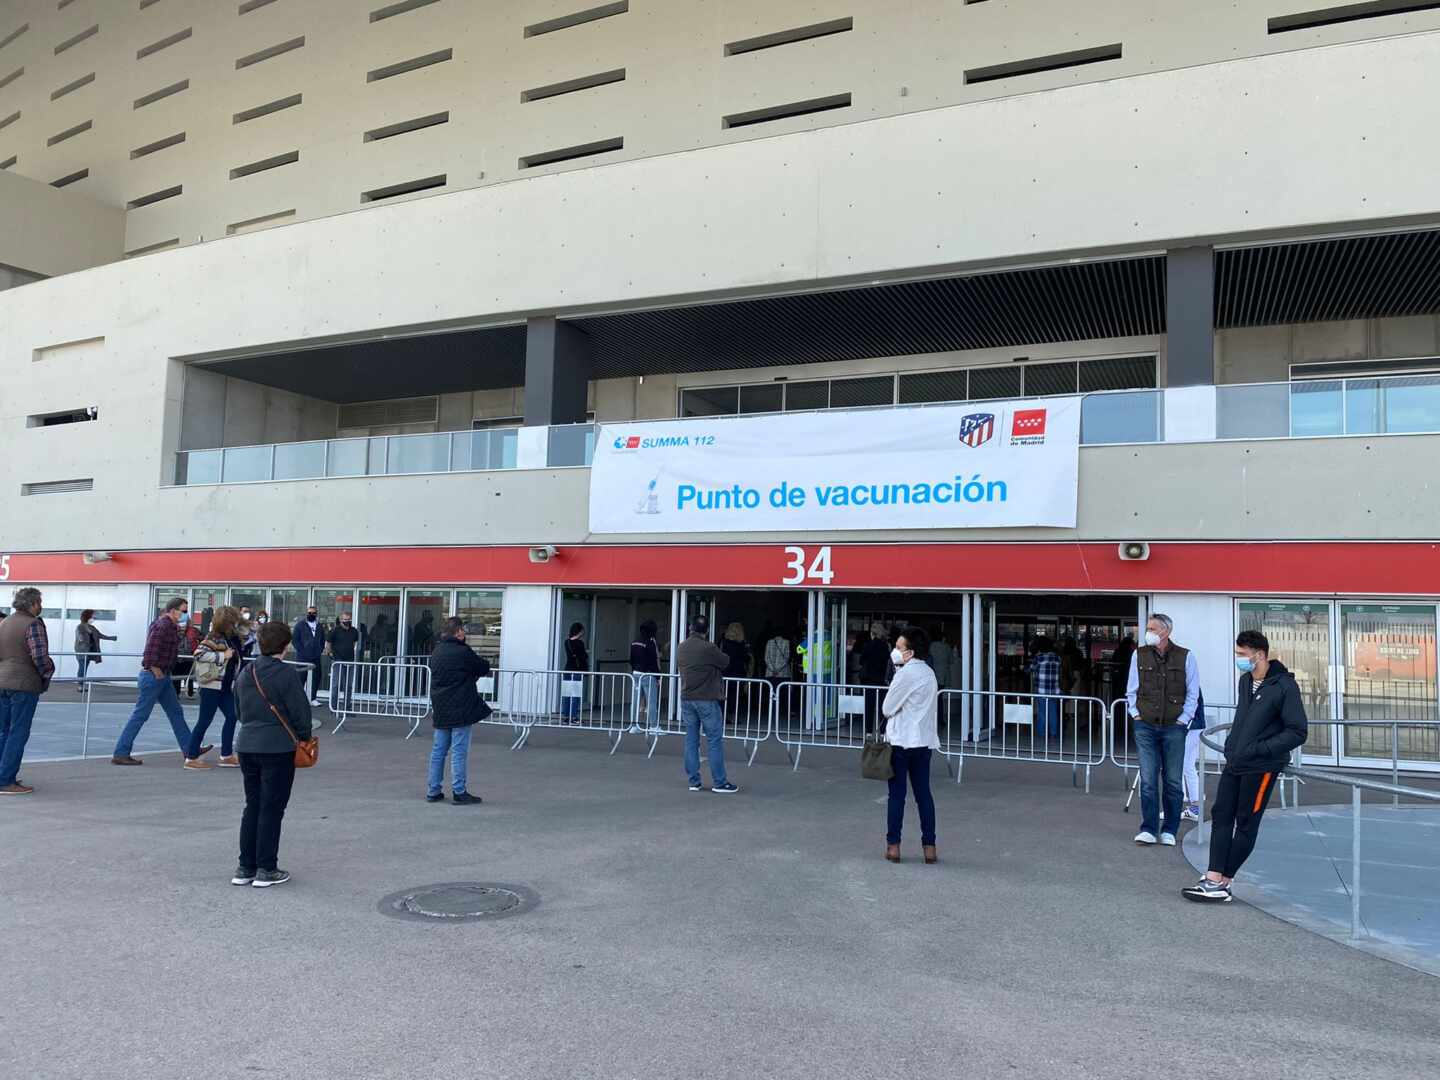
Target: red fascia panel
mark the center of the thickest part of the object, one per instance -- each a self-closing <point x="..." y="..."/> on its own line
<point x="1280" y="568"/>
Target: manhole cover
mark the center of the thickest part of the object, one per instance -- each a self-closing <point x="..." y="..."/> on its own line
<point x="459" y="901"/>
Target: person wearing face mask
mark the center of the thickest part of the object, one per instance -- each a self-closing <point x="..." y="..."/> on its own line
<point x="190" y="638"/>
<point x="1269" y="724"/>
<point x="909" y="710"/>
<point x="309" y="638"/>
<point x="344" y="645"/>
<point x="1161" y="696"/>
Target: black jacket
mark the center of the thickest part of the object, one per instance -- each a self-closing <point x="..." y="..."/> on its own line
<point x="344" y="642"/>
<point x="739" y="654"/>
<point x="645" y="657"/>
<point x="454" y="698"/>
<point x="309" y="644"/>
<point x="577" y="657"/>
<point x="1269" y="723"/>
<point x="260" y="732"/>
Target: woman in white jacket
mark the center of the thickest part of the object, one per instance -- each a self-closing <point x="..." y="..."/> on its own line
<point x="909" y="709"/>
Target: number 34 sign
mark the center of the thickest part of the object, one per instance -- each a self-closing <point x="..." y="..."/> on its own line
<point x="803" y="569"/>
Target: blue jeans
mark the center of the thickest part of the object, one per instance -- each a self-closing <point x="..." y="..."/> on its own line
<point x="153" y="692"/>
<point x="17" y="709"/>
<point x="570" y="706"/>
<point x="210" y="700"/>
<point x="912" y="763"/>
<point x="711" y="717"/>
<point x="1162" y="759"/>
<point x="455" y="742"/>
<point x="647" y="698"/>
<point x="82" y="662"/>
<point x="1047" y="717"/>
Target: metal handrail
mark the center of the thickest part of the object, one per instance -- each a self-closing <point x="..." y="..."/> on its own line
<point x="1356" y="785"/>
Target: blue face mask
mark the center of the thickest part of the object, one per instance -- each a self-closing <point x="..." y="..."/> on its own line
<point x="1244" y="665"/>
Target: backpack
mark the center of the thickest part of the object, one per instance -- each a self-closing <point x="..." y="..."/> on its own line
<point x="209" y="669"/>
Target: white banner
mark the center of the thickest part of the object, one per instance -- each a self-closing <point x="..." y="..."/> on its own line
<point x="1002" y="463"/>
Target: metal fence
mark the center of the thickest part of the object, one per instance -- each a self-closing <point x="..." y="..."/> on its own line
<point x="579" y="700"/>
<point x="833" y="715"/>
<point x="1048" y="729"/>
<point x="1357" y="785"/>
<point x="362" y="688"/>
<point x="747" y="710"/>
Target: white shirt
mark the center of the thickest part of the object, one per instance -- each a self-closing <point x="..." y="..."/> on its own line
<point x="909" y="706"/>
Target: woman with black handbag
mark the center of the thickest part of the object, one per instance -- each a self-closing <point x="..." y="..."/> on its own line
<point x="909" y="709"/>
<point x="274" y="725"/>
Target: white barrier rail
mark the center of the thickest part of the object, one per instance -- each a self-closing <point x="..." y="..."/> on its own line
<point x="748" y="710"/>
<point x="360" y="688"/>
<point x="1050" y="729"/>
<point x="834" y="715"/>
<point x="583" y="700"/>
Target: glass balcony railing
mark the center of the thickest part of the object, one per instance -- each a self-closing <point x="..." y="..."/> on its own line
<point x="1388" y="405"/>
<point x="1320" y="408"/>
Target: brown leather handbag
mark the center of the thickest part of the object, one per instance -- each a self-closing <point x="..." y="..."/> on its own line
<point x="307" y="753"/>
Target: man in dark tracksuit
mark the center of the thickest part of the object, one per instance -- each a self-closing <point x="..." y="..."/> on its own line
<point x="1269" y="723"/>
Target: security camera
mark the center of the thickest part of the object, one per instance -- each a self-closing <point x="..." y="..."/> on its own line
<point x="1134" y="551"/>
<point x="543" y="554"/>
<point x="90" y="558"/>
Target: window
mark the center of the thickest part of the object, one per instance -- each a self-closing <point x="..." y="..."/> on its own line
<point x="862" y="393"/>
<point x="788" y="37"/>
<point x="934" y="386"/>
<point x="1044" y="380"/>
<point x="762" y="398"/>
<point x="803" y="396"/>
<point x="69" y="416"/>
<point x="564" y="22"/>
<point x="721" y="401"/>
<point x="785" y="112"/>
<point x="56" y="487"/>
<point x="482" y="609"/>
<point x="987" y="384"/>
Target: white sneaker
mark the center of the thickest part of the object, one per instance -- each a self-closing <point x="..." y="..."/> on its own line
<point x="316" y="702"/>
<point x="1168" y="839"/>
<point x="1191" y="812"/>
<point x="1143" y="837"/>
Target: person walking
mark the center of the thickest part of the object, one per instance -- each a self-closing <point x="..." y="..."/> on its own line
<point x="645" y="670"/>
<point x="1161" y="694"/>
<point x="309" y="638"/>
<point x="26" y="668"/>
<point x="274" y="720"/>
<point x="909" y="710"/>
<point x="87" y="645"/>
<point x="1270" y="723"/>
<point x="456" y="706"/>
<point x="162" y="646"/>
<point x="217" y="661"/>
<point x="702" y="693"/>
<point x="572" y="683"/>
<point x="346" y="644"/>
<point x="1045" y="669"/>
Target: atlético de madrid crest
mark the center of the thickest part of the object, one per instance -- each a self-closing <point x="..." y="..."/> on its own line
<point x="976" y="429"/>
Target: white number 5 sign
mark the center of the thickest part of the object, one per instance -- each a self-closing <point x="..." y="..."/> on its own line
<point x="804" y="570"/>
<point x="4" y="567"/>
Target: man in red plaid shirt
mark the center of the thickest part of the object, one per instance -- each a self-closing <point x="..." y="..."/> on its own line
<point x="25" y="671"/>
<point x="162" y="647"/>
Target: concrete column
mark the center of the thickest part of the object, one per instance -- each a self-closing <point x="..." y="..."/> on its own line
<point x="1190" y="316"/>
<point x="557" y="372"/>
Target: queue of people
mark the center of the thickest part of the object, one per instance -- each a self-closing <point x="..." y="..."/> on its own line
<point x="267" y="716"/>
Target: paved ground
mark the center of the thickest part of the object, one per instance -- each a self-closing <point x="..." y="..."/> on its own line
<point x="1302" y="873"/>
<point x="679" y="934"/>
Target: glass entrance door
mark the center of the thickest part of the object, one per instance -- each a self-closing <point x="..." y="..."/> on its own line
<point x="1388" y="673"/>
<point x="425" y="610"/>
<point x="1300" y="637"/>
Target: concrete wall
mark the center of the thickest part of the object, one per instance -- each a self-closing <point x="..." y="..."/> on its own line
<point x="1343" y="489"/>
<point x="1265" y="353"/>
<point x="221" y="411"/>
<point x="1206" y="626"/>
<point x="900" y="58"/>
<point x="49" y="231"/>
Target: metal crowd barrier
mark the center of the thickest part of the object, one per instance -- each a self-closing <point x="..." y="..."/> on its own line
<point x="1051" y="729"/>
<point x="582" y="700"/>
<point x="748" y="710"/>
<point x="838" y="716"/>
<point x="362" y="688"/>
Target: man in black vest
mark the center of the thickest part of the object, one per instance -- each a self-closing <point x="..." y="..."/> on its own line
<point x="1160" y="697"/>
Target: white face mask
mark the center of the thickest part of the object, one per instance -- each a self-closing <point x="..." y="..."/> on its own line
<point x="897" y="657"/>
<point x="1151" y="638"/>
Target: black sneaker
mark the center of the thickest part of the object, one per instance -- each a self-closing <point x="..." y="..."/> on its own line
<point x="695" y="785"/>
<point x="1206" y="891"/>
<point x="725" y="789"/>
<point x="265" y="878"/>
<point x="439" y="796"/>
<point x="242" y="876"/>
<point x="464" y="798"/>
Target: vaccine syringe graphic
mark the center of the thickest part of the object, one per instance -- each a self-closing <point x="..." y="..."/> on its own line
<point x="650" y="502"/>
